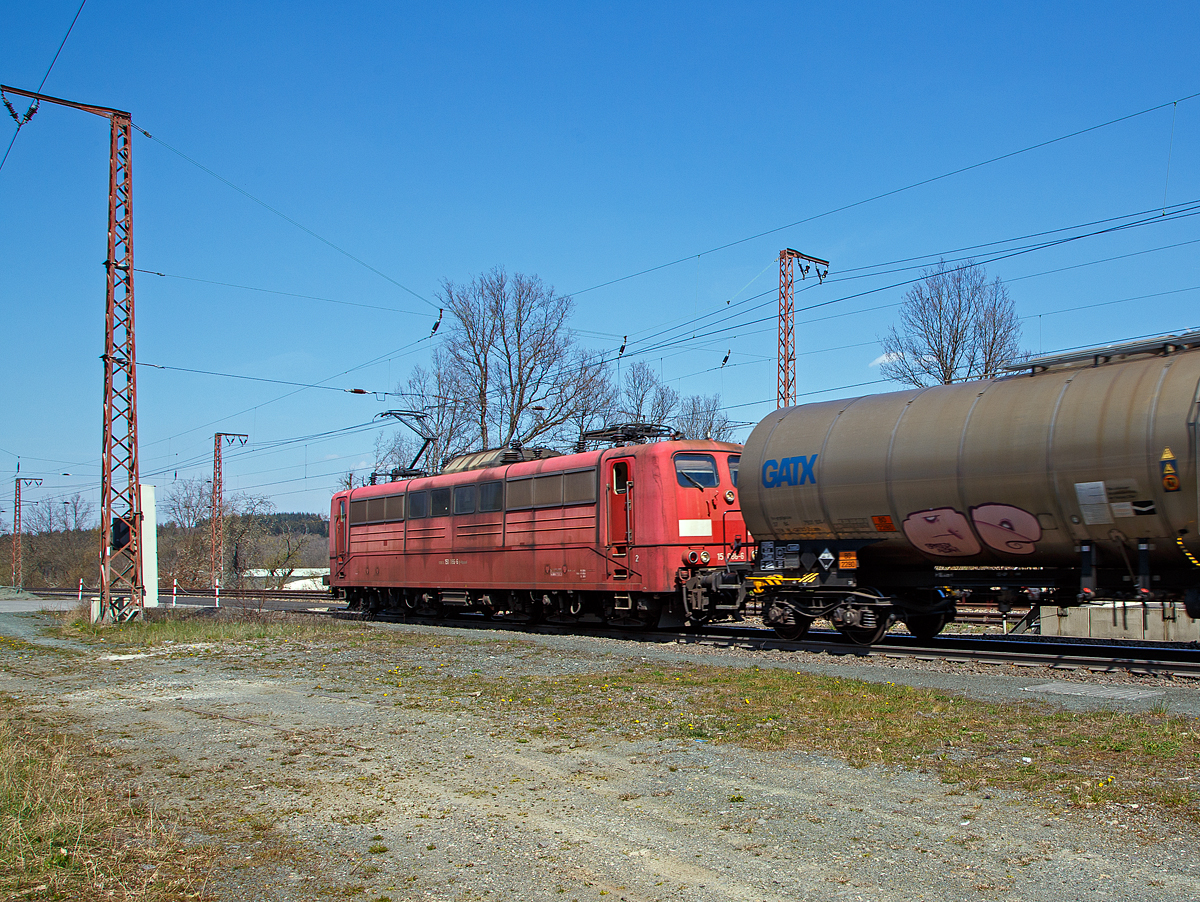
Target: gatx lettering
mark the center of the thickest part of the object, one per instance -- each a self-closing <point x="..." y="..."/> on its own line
<point x="789" y="471"/>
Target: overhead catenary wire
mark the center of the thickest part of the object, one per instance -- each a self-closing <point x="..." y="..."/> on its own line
<point x="666" y="343"/>
<point x="34" y="105"/>
<point x="302" y="386"/>
<point x="901" y="387"/>
<point x="1178" y="210"/>
<point x="1181" y="212"/>
<point x="849" y="313"/>
<point x="184" y="369"/>
<point x="290" y="294"/>
<point x="262" y="203"/>
<point x="722" y="311"/>
<point x="893" y="192"/>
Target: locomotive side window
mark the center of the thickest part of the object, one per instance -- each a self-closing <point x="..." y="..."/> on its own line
<point x="418" y="505"/>
<point x="375" y="510"/>
<point x="734" y="460"/>
<point x="358" y="512"/>
<point x="520" y="493"/>
<point x="440" y="506"/>
<point x="697" y="471"/>
<point x="394" y="509"/>
<point x="464" y="499"/>
<point x="579" y="488"/>
<point x="491" y="496"/>
<point x="548" y="491"/>
<point x="620" y="473"/>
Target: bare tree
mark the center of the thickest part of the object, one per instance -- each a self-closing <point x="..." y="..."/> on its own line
<point x="188" y="502"/>
<point x="701" y="417"/>
<point x="645" y="398"/>
<point x="352" y="480"/>
<point x="954" y="325"/>
<point x="471" y="341"/>
<point x="511" y="361"/>
<point x="77" y="513"/>
<point x="39" y="518"/>
<point x="245" y="531"/>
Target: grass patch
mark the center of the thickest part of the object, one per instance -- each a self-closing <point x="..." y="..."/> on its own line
<point x="209" y="626"/>
<point x="66" y="832"/>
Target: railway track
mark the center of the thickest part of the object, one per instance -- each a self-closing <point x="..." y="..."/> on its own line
<point x="1026" y="650"/>
<point x="287" y="599"/>
<point x="270" y="599"/>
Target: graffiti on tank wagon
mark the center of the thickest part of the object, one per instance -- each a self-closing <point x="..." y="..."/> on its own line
<point x="947" y="532"/>
<point x="1006" y="528"/>
<point x="941" y="530"/>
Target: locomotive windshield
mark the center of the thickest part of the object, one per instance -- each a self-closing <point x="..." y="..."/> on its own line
<point x="697" y="470"/>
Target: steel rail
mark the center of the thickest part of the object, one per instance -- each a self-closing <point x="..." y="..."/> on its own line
<point x="1154" y="659"/>
<point x="1030" y="651"/>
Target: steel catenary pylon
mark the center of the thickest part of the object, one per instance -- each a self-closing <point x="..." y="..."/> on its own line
<point x="786" y="393"/>
<point x="121" y="587"/>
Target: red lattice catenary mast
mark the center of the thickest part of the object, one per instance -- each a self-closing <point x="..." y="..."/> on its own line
<point x="122" y="592"/>
<point x="786" y="394"/>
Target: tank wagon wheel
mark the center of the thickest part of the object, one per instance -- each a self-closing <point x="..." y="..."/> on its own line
<point x="925" y="626"/>
<point x="791" y="632"/>
<point x="861" y="635"/>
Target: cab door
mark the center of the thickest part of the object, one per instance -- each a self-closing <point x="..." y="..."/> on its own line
<point x="619" y="493"/>
<point x="340" y="540"/>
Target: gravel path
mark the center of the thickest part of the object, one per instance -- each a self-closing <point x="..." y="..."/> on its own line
<point x="321" y="780"/>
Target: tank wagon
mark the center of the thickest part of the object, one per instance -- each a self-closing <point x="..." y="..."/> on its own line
<point x="1070" y="479"/>
<point x="639" y="534"/>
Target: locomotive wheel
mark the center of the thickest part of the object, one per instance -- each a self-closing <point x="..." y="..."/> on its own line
<point x="925" y="626"/>
<point x="790" y="632"/>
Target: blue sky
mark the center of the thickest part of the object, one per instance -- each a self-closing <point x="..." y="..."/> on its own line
<point x="582" y="143"/>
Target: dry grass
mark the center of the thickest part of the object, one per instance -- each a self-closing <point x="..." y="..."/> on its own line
<point x="66" y="832"/>
<point x="206" y="625"/>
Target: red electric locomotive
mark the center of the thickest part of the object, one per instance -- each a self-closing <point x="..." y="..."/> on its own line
<point x="641" y="534"/>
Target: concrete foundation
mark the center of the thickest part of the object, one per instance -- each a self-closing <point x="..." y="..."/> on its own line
<point x="1156" y="621"/>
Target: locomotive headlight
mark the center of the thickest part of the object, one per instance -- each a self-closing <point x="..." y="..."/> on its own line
<point x="691" y="558"/>
<point x="729" y="496"/>
<point x="704" y="557"/>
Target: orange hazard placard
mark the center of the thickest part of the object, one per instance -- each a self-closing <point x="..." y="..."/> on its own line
<point x="847" y="560"/>
<point x="883" y="523"/>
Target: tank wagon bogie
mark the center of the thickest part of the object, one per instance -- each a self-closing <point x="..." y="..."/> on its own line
<point x="643" y="534"/>
<point x="1070" y="482"/>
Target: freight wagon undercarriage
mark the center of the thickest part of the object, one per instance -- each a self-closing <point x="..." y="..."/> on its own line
<point x="802" y="582"/>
